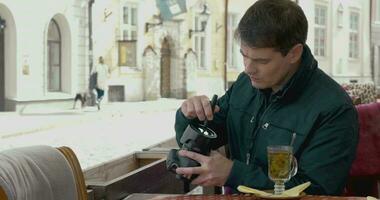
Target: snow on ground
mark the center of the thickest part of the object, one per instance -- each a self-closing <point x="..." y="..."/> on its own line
<point x="121" y="131"/>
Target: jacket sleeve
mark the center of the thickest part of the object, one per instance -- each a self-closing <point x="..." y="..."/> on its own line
<point x="324" y="159"/>
<point x="329" y="151"/>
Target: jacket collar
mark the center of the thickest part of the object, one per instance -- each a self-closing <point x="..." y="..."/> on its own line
<point x="299" y="80"/>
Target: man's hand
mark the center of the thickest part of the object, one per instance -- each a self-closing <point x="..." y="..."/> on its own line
<point x="198" y="107"/>
<point x="214" y="169"/>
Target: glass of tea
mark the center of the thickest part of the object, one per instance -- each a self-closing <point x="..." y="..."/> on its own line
<point x="282" y="166"/>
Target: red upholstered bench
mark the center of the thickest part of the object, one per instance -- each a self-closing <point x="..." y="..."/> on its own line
<point x="364" y="176"/>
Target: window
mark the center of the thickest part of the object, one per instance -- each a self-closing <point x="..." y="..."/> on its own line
<point x="354" y="35"/>
<point x="200" y="43"/>
<point x="54" y="57"/>
<point x="127" y="53"/>
<point x="320" y="33"/>
<point x="233" y="51"/>
<point x="129" y="24"/>
<point x="377" y="11"/>
<point x="125" y="15"/>
<point x="128" y="31"/>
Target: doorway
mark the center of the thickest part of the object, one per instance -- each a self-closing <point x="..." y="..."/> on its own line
<point x="165" y="68"/>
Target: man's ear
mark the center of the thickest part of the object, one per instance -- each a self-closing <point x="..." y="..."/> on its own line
<point x="295" y="53"/>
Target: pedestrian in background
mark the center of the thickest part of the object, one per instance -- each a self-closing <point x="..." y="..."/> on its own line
<point x="101" y="72"/>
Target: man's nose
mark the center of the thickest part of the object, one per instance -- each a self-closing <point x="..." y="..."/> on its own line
<point x="250" y="68"/>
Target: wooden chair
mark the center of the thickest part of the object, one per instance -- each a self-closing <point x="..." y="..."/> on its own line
<point x="76" y="169"/>
<point x="3" y="196"/>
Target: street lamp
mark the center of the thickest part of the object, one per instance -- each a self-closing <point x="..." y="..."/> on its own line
<point x="157" y="21"/>
<point x="203" y="17"/>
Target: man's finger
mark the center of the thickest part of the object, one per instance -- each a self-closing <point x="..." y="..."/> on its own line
<point x="184" y="108"/>
<point x="216" y="109"/>
<point x="189" y="170"/>
<point x="190" y="110"/>
<point x="195" y="156"/>
<point x="207" y="109"/>
<point x="199" y="110"/>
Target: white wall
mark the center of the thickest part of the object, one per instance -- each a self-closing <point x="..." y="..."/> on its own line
<point x="337" y="63"/>
<point x="31" y="19"/>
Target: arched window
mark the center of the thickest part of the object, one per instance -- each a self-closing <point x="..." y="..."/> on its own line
<point x="54" y="57"/>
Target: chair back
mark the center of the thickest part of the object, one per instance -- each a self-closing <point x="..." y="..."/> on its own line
<point x="364" y="176"/>
<point x="41" y="172"/>
<point x="77" y="170"/>
<point x="3" y="196"/>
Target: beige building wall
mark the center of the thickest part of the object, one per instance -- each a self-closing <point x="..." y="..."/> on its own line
<point x="212" y="80"/>
<point x="208" y="80"/>
<point x="144" y="81"/>
<point x="236" y="8"/>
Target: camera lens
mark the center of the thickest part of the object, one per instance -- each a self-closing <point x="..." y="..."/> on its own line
<point x="205" y="131"/>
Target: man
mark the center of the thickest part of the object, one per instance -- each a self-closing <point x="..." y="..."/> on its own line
<point x="282" y="98"/>
<point x="101" y="72"/>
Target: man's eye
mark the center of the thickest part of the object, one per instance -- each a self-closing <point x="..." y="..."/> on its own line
<point x="264" y="62"/>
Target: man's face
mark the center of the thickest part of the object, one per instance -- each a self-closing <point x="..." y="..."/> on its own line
<point x="266" y="67"/>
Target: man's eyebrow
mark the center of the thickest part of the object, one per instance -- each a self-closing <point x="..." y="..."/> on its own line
<point x="254" y="59"/>
<point x="245" y="55"/>
<point x="242" y="53"/>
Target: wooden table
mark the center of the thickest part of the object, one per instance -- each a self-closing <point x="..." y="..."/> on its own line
<point x="144" y="196"/>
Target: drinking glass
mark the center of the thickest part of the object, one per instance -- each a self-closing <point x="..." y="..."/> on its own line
<point x="282" y="166"/>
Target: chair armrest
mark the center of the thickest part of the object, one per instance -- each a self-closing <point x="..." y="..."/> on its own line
<point x="3" y="196"/>
<point x="77" y="171"/>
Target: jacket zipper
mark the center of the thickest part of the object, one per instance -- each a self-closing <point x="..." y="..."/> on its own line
<point x="294" y="134"/>
<point x="248" y="155"/>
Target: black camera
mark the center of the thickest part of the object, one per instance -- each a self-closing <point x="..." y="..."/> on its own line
<point x="196" y="138"/>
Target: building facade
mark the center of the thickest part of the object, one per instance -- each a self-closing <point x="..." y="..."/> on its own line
<point x="375" y="41"/>
<point x="44" y="51"/>
<point x="152" y="57"/>
<point x="160" y="49"/>
<point x="339" y="36"/>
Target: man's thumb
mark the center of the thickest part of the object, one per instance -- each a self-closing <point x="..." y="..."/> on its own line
<point x="216" y="109"/>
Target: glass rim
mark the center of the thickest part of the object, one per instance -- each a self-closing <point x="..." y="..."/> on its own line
<point x="279" y="148"/>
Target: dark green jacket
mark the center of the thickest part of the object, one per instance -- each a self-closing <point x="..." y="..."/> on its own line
<point x="311" y="105"/>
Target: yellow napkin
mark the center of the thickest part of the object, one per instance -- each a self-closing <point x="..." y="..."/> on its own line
<point x="371" y="198"/>
<point x="293" y="192"/>
<point x="249" y="190"/>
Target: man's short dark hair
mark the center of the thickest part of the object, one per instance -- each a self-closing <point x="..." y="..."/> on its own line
<point x="278" y="24"/>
